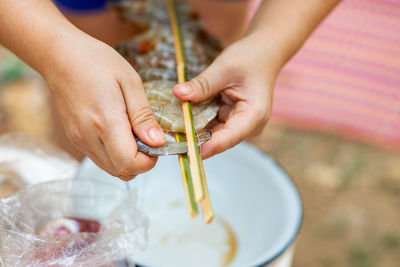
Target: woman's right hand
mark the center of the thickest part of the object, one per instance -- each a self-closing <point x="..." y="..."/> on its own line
<point x="101" y="100"/>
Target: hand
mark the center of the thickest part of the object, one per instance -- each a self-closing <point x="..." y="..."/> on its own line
<point x="101" y="100"/>
<point x="244" y="75"/>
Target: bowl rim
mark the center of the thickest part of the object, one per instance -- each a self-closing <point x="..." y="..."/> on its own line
<point x="290" y="181"/>
<point x="299" y="225"/>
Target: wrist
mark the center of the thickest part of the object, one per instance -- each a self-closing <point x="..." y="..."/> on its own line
<point x="57" y="55"/>
<point x="267" y="50"/>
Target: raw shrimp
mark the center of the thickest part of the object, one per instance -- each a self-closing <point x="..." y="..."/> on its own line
<point x="152" y="54"/>
<point x="168" y="110"/>
<point x="170" y="147"/>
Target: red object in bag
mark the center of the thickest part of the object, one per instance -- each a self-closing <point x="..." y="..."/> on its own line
<point x="68" y="237"/>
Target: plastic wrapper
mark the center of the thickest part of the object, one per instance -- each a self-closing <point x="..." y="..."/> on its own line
<point x="25" y="160"/>
<point x="80" y="222"/>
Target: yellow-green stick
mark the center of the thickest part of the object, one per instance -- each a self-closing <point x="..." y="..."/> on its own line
<point x="194" y="156"/>
<point x="206" y="207"/>
<point x="187" y="179"/>
<point x="196" y="164"/>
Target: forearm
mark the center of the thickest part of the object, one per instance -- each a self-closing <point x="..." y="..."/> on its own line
<point x="284" y="25"/>
<point x="30" y="28"/>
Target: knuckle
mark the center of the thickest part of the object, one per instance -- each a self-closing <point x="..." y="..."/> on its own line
<point x="108" y="167"/>
<point x="77" y="138"/>
<point x="99" y="122"/>
<point x="112" y="172"/>
<point x="267" y="116"/>
<point x="259" y="111"/>
<point x="126" y="172"/>
<point x="126" y="178"/>
<point x="218" y="148"/>
<point x="133" y="79"/>
<point x="259" y="130"/>
<point x="233" y="139"/>
<point x="236" y="139"/>
<point x="262" y="113"/>
<point x="224" y="64"/>
<point x="71" y="138"/>
<point x="145" y="168"/>
<point x="142" y="116"/>
<point x="264" y="122"/>
<point x="202" y="85"/>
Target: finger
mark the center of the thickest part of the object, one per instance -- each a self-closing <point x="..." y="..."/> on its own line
<point x="99" y="162"/>
<point x="94" y="149"/>
<point x="92" y="155"/>
<point x="85" y="136"/>
<point x="121" y="148"/>
<point x="224" y="112"/>
<point x="88" y="147"/>
<point x="226" y="135"/>
<point x="205" y="85"/>
<point x="99" y="155"/>
<point x="141" y="116"/>
<point x="260" y="128"/>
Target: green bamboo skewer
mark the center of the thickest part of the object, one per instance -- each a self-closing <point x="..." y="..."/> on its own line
<point x="186" y="106"/>
<point x="184" y="164"/>
<point x="187" y="179"/>
<point x="208" y="212"/>
<point x="195" y="161"/>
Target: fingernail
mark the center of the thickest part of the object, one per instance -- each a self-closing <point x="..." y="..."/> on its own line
<point x="156" y="135"/>
<point x="184" y="89"/>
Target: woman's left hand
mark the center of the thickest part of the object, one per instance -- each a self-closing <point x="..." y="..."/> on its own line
<point x="244" y="74"/>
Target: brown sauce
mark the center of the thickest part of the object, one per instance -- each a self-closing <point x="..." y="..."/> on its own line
<point x="231" y="242"/>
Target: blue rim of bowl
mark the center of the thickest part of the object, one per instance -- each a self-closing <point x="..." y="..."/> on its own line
<point x="300" y="223"/>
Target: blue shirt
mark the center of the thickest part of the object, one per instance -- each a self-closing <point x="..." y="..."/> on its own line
<point x="89" y="5"/>
<point x="81" y="5"/>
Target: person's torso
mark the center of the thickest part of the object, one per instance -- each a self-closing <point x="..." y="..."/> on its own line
<point x="225" y="19"/>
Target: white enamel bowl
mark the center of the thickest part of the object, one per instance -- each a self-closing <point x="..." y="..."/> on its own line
<point x="249" y="191"/>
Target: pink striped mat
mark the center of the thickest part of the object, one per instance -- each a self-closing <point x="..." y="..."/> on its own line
<point x="346" y="78"/>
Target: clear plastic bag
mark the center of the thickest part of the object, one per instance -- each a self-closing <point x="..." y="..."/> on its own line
<point x="26" y="159"/>
<point x="27" y="217"/>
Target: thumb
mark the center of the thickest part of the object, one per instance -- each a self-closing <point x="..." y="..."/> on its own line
<point x="141" y="116"/>
<point x="205" y="85"/>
